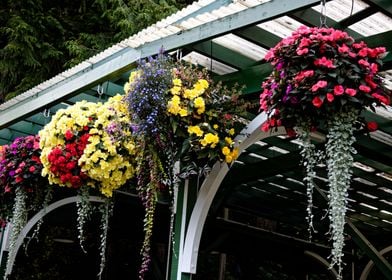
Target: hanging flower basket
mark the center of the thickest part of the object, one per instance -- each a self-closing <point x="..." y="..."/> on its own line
<point x="323" y="79"/>
<point x="89" y="146"/>
<point x="21" y="184"/>
<point x="179" y="115"/>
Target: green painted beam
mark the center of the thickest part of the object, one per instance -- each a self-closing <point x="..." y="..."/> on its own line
<point x="384" y="5"/>
<point x="222" y="54"/>
<point x="258" y="36"/>
<point x="362" y="242"/>
<point x="367" y="12"/>
<point x="251" y="77"/>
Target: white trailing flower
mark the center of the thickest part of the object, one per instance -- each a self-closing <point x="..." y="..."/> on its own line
<point x="18" y="221"/>
<point x="84" y="209"/>
<point x="106" y="210"/>
<point x="339" y="153"/>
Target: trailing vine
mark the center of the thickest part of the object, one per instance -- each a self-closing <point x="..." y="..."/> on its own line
<point x="339" y="152"/>
<point x="84" y="209"/>
<point x="106" y="210"/>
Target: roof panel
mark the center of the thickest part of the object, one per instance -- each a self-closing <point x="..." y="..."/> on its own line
<point x="282" y="27"/>
<point x="241" y="46"/>
<point x="213" y="65"/>
<point x="341" y="9"/>
<point x="375" y="24"/>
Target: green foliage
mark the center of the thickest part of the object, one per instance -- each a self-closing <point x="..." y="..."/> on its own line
<point x="39" y="39"/>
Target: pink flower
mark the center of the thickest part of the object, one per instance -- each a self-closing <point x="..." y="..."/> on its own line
<point x="302" y="51"/>
<point x="343" y="49"/>
<point x="330" y="97"/>
<point x="381" y="98"/>
<point x="363" y="52"/>
<point x="369" y="80"/>
<point x="364" y="88"/>
<point x="318" y="85"/>
<point x="303" y="74"/>
<point x="324" y="62"/>
<point x="317" y="102"/>
<point x="351" y="91"/>
<point x="374" y="68"/>
<point x="359" y="45"/>
<point x="32" y="168"/>
<point x="305" y="42"/>
<point x="265" y="126"/>
<point x="363" y="63"/>
<point x="338" y="90"/>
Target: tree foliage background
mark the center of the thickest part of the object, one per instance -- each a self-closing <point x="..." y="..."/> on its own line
<point x="41" y="38"/>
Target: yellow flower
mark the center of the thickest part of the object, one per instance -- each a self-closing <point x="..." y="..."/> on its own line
<point x="229" y="158"/>
<point x="210" y="139"/>
<point x="175" y="90"/>
<point x="229" y="141"/>
<point x="231" y="131"/>
<point x="195" y="129"/>
<point x="177" y="82"/>
<point x="173" y="106"/>
<point x="203" y="83"/>
<point x="215" y="126"/>
<point x="199" y="105"/>
<point x="183" y="112"/>
<point x="225" y="151"/>
<point x="127" y="87"/>
<point x="190" y="94"/>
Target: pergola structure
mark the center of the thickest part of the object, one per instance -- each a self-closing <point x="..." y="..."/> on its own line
<point x="261" y="197"/>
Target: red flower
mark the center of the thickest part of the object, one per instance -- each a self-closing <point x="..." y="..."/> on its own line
<point x="369" y="80"/>
<point x="318" y="85"/>
<point x="302" y="51"/>
<point x="372" y="126"/>
<point x="338" y="90"/>
<point x="381" y="98"/>
<point x="18" y="179"/>
<point x="343" y="49"/>
<point x="317" y="102"/>
<point x="265" y="126"/>
<point x="364" y="88"/>
<point x="373" y="68"/>
<point x="324" y="62"/>
<point x="68" y="135"/>
<point x="330" y="97"/>
<point x="363" y="63"/>
<point x="32" y="168"/>
<point x="363" y="52"/>
<point x="351" y="91"/>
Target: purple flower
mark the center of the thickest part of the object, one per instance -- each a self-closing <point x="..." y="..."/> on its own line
<point x="288" y="89"/>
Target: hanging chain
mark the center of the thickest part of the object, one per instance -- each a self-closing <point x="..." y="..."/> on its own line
<point x="323" y="14"/>
<point x="100" y="92"/>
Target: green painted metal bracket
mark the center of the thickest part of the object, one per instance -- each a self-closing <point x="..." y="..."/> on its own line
<point x="362" y="242"/>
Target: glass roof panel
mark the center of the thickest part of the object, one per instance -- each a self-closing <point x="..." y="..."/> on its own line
<point x="372" y="25"/>
<point x="241" y="46"/>
<point x="341" y="9"/>
<point x="215" y="66"/>
<point x="282" y="27"/>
